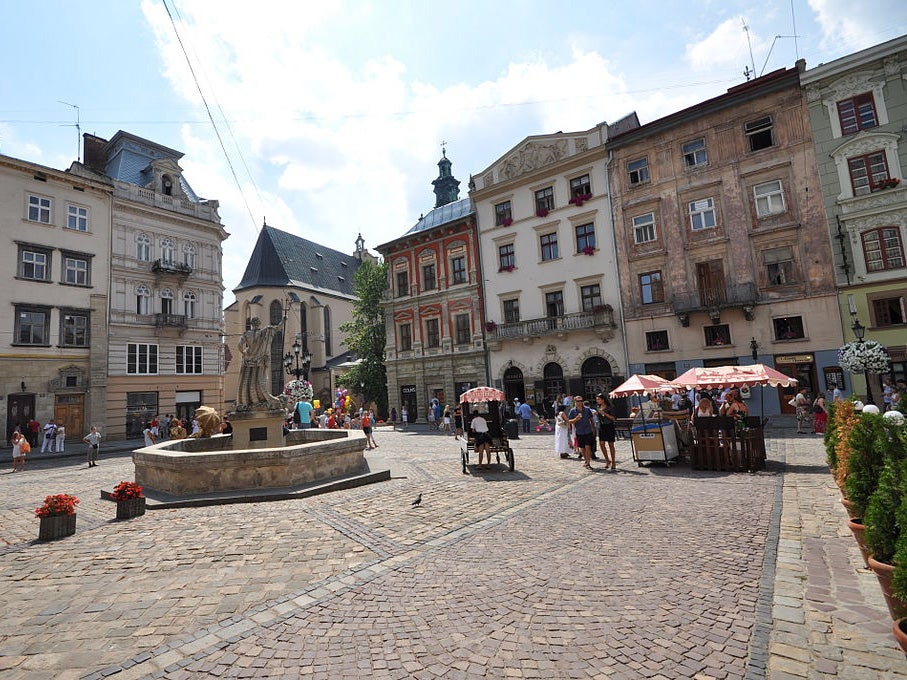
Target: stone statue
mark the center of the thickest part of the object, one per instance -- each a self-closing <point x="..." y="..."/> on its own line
<point x="255" y="372"/>
<point x="208" y="421"/>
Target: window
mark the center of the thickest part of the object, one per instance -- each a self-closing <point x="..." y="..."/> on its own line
<point x="402" y="283"/>
<point x="549" y="246"/>
<point x="656" y="341"/>
<point x="189" y="302"/>
<point x="143" y="247"/>
<point x="189" y="255"/>
<point x="889" y="311"/>
<point x="788" y="328"/>
<point x="717" y="336"/>
<point x="512" y="310"/>
<point x="432" y="333"/>
<point x="166" y="185"/>
<point x="769" y="198"/>
<point x="585" y="238"/>
<point x="544" y="200"/>
<point x="39" y="209"/>
<point x="458" y="269"/>
<point x="695" y="154"/>
<point x="759" y="133"/>
<point x="882" y="249"/>
<point x="429" y="281"/>
<point x="502" y="214"/>
<point x="702" y="214"/>
<point x="406" y="337"/>
<point x="32" y="325"/>
<point x="77" y="218"/>
<point x="166" y="301"/>
<point x="650" y="288"/>
<point x="591" y="297"/>
<point x="34" y="263"/>
<point x="75" y="271"/>
<point x="328" y="332"/>
<point x="554" y="305"/>
<point x="141" y="359"/>
<point x="779" y="266"/>
<point x="867" y="171"/>
<point x="463" y="331"/>
<point x="142" y="300"/>
<point x="74" y="327"/>
<point x="638" y="171"/>
<point x="188" y="359"/>
<point x="644" y="228"/>
<point x="857" y="113"/>
<point x="580" y="186"/>
<point x="167" y="251"/>
<point x="506" y="257"/>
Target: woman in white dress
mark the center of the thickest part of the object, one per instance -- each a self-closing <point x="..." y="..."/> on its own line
<point x="562" y="433"/>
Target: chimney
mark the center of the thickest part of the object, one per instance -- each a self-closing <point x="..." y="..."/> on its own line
<point x="93" y="151"/>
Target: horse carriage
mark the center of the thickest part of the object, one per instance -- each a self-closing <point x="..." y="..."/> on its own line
<point x="487" y="401"/>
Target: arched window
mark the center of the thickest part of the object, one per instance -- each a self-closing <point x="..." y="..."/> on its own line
<point x="597" y="377"/>
<point x="553" y="376"/>
<point x="514" y="387"/>
<point x="167" y="251"/>
<point x="166" y="185"/>
<point x="166" y="301"/>
<point x="275" y="316"/>
<point x="189" y="253"/>
<point x="143" y="247"/>
<point x="304" y="325"/>
<point x="275" y="312"/>
<point x="328" y="340"/>
<point x="189" y="300"/>
<point x="142" y="299"/>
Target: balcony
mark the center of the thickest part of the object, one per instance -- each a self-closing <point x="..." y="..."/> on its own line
<point x="602" y="322"/>
<point x="177" y="321"/>
<point x="168" y="268"/>
<point x="714" y="299"/>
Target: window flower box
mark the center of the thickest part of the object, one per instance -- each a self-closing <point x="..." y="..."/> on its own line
<point x="507" y="221"/>
<point x="507" y="268"/>
<point x="490" y="326"/>
<point x="889" y="183"/>
<point x="579" y="199"/>
<point x="589" y="250"/>
<point x="541" y="212"/>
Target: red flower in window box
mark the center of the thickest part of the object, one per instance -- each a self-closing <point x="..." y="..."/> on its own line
<point x="541" y="212"/>
<point x="589" y="250"/>
<point x="490" y="326"/>
<point x="507" y="268"/>
<point x="507" y="221"/>
<point x="889" y="183"/>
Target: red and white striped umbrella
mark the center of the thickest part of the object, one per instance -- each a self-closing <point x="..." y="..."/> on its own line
<point x="481" y="394"/>
<point x="734" y="376"/>
<point x="640" y="383"/>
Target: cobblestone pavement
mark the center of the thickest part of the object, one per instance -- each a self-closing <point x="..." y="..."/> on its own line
<point x="546" y="572"/>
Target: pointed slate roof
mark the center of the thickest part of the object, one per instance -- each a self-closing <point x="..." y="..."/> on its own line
<point x="283" y="259"/>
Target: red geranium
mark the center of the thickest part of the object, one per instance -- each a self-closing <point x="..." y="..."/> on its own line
<point x="59" y="504"/>
<point x="126" y="490"/>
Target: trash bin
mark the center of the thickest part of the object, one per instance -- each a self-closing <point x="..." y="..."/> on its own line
<point x="512" y="428"/>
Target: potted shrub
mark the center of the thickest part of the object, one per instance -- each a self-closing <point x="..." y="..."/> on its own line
<point x="58" y="516"/>
<point x="870" y="445"/>
<point x="882" y="530"/>
<point x="845" y="418"/>
<point x="130" y="500"/>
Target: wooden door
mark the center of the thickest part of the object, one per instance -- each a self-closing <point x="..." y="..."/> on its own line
<point x="20" y="408"/>
<point x="69" y="411"/>
<point x="710" y="282"/>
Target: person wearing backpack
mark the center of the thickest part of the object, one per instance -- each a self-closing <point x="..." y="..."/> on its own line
<point x="50" y="435"/>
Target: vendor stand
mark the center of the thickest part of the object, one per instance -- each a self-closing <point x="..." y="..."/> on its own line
<point x="653" y="439"/>
<point x="725" y="443"/>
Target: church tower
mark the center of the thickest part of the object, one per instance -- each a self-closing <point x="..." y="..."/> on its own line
<point x="447" y="187"/>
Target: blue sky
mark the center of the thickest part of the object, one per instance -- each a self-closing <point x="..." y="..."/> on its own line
<point x="337" y="110"/>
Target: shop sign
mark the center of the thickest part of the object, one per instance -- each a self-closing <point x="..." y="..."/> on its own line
<point x="794" y="359"/>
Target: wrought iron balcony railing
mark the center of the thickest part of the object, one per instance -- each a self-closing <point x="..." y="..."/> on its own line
<point x="170" y="320"/>
<point x="736" y="295"/>
<point x="603" y="319"/>
<point x="167" y="267"/>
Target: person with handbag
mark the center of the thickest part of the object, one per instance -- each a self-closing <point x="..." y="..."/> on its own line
<point x="93" y="439"/>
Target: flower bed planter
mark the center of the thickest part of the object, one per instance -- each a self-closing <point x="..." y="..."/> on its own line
<point x="56" y="526"/>
<point x="884" y="573"/>
<point x="900" y="633"/>
<point x="858" y="529"/>
<point x="131" y="507"/>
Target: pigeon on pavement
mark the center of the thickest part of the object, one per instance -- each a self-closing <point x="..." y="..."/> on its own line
<point x="418" y="500"/>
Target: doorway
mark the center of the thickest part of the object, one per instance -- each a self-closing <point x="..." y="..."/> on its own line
<point x="69" y="411"/>
<point x="803" y="368"/>
<point x="20" y="408"/>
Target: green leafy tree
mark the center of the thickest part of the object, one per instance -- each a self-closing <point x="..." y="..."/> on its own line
<point x="365" y="336"/>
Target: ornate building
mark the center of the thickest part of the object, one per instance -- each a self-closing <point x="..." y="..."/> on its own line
<point x="858" y="112"/>
<point x="433" y="307"/>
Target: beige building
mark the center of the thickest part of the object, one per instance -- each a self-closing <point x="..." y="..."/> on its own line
<point x="55" y="228"/>
<point x="165" y="352"/>
<point x="721" y="238"/>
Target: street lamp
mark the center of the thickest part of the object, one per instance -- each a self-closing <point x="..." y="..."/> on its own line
<point x="292" y="364"/>
<point x="859" y="331"/>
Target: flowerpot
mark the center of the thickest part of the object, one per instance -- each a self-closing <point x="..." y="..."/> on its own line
<point x="884" y="573"/>
<point x="900" y="633"/>
<point x="858" y="528"/>
<point x="131" y="507"/>
<point x="848" y="505"/>
<point x="56" y="526"/>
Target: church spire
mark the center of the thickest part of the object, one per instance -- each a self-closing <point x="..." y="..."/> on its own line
<point x="447" y="187"/>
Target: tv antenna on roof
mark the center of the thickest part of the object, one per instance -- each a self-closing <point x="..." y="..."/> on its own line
<point x="78" y="128"/>
<point x="747" y="71"/>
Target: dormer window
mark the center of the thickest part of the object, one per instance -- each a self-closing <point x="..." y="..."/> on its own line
<point x="166" y="185"/>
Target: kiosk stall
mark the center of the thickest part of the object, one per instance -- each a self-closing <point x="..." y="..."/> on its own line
<point x="652" y="438"/>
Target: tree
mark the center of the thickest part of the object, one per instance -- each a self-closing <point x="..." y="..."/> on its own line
<point x="365" y="335"/>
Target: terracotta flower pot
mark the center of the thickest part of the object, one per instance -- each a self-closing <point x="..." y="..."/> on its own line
<point x="900" y="633"/>
<point x="848" y="505"/>
<point x="884" y="573"/>
<point x="858" y="528"/>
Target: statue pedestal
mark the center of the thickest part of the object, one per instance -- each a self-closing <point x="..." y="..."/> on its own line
<point x="257" y="429"/>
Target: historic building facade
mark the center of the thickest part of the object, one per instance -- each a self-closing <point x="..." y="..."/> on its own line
<point x="165" y="350"/>
<point x="551" y="293"/>
<point x="858" y="112"/>
<point x="55" y="228"/>
<point x="307" y="290"/>
<point x="433" y="306"/>
<point x="721" y="238"/>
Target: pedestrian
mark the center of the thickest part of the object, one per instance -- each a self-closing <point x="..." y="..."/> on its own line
<point x="60" y="438"/>
<point x="524" y="410"/>
<point x="404" y="416"/>
<point x="367" y="431"/>
<point x="34" y="430"/>
<point x="226" y="426"/>
<point x="148" y="433"/>
<point x="155" y="426"/>
<point x="304" y="414"/>
<point x="196" y="427"/>
<point x="583" y="420"/>
<point x="607" y="430"/>
<point x="445" y="420"/>
<point x="164" y="429"/>
<point x="562" y="433"/>
<point x="431" y="418"/>
<point x="820" y="414"/>
<point x="458" y="422"/>
<point x="50" y="433"/>
<point x="801" y="404"/>
<point x="479" y="427"/>
<point x="93" y="439"/>
<point x="394" y="417"/>
<point x="19" y="441"/>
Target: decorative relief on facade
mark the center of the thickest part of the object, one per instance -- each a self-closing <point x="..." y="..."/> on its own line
<point x="549" y="358"/>
<point x="487" y="180"/>
<point x="582" y="144"/>
<point x="892" y="66"/>
<point x="511" y="364"/>
<point x="531" y="156"/>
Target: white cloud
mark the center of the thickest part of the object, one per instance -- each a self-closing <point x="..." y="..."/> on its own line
<point x="726" y="46"/>
<point x="846" y="30"/>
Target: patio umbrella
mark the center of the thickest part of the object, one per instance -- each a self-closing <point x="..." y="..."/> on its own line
<point x="480" y="394"/>
<point x="734" y="376"/>
<point x="640" y="383"/>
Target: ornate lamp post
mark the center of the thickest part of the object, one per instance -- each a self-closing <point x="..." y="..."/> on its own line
<point x="754" y="349"/>
<point x="859" y="331"/>
<point x="292" y="364"/>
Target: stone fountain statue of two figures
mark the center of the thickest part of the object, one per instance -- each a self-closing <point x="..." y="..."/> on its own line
<point x="255" y="372"/>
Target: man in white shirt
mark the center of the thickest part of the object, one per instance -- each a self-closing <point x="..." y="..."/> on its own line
<point x="479" y="427"/>
<point x="50" y="433"/>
